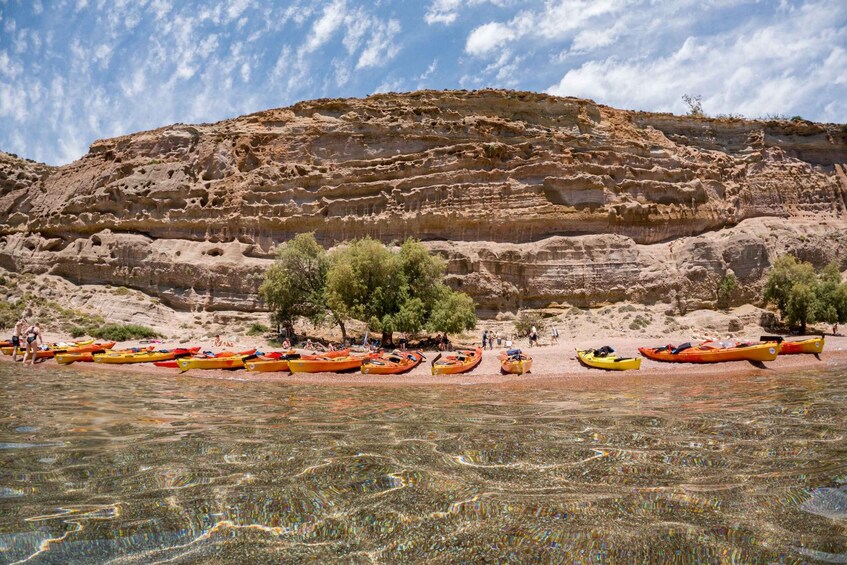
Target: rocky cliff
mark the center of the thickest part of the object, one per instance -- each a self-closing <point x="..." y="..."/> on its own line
<point x="534" y="199"/>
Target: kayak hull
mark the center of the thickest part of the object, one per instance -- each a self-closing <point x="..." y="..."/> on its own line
<point x="387" y="365"/>
<point x="233" y="362"/>
<point x="325" y="364"/>
<point x="610" y="363"/>
<point x="516" y="366"/>
<point x="142" y="356"/>
<point x="812" y="345"/>
<point x="267" y="365"/>
<point x="460" y="362"/>
<point x="758" y="352"/>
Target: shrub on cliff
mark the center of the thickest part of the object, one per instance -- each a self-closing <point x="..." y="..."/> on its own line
<point x="805" y="297"/>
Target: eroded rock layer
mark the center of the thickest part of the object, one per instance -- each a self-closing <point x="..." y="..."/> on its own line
<point x="533" y="198"/>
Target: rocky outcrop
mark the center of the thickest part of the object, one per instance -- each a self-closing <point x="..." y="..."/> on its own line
<point x="534" y="199"/>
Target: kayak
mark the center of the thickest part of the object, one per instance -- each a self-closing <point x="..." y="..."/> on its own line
<point x="811" y="345"/>
<point x="713" y="352"/>
<point x="515" y="362"/>
<point x="52" y="347"/>
<point x="610" y="362"/>
<point x="144" y="356"/>
<point x="392" y="363"/>
<point x="235" y="361"/>
<point x="325" y="364"/>
<point x="460" y="361"/>
<point x="174" y="363"/>
<point x="82" y="353"/>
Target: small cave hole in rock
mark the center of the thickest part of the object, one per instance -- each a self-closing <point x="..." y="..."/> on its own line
<point x="95" y="241"/>
<point x="214" y="253"/>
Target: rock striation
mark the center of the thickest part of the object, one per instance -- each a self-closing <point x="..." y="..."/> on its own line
<point x="534" y="199"/>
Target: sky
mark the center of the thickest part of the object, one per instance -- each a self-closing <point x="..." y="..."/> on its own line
<point x="73" y="71"/>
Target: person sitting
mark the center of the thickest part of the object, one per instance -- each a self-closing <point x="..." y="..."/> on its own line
<point x="218" y="342"/>
<point x="286" y="344"/>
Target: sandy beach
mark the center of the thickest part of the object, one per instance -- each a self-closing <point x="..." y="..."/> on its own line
<point x="551" y="364"/>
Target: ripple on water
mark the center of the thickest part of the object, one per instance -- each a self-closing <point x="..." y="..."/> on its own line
<point x="746" y="470"/>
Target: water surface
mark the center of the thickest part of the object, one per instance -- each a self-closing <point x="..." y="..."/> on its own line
<point x="112" y="467"/>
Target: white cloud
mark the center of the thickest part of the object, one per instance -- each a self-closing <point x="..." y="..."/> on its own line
<point x="236" y="8"/>
<point x="326" y="26"/>
<point x="555" y="22"/>
<point x="381" y="47"/>
<point x="429" y="70"/>
<point x="447" y="11"/>
<point x="755" y="69"/>
<point x="488" y="37"/>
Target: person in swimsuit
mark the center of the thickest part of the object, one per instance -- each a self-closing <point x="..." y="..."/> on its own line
<point x="33" y="342"/>
<point x="16" y="339"/>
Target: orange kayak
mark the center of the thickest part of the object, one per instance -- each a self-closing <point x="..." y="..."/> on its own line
<point x="174" y="364"/>
<point x="811" y="345"/>
<point x="392" y="363"/>
<point x="713" y="352"/>
<point x="324" y="364"/>
<point x="459" y="362"/>
<point x="515" y="362"/>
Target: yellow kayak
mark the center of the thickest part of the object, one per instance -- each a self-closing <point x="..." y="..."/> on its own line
<point x="7" y="350"/>
<point x="231" y="362"/>
<point x="610" y="362"/>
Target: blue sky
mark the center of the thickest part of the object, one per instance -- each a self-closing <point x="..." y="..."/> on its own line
<point x="73" y="71"/>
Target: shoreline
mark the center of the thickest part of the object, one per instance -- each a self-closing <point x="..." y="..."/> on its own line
<point x="552" y="364"/>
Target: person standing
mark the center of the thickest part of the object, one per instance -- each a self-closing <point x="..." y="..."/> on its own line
<point x="554" y="335"/>
<point x="533" y="336"/>
<point x="484" y="338"/>
<point x="16" y="338"/>
<point x="33" y="335"/>
<point x="499" y="339"/>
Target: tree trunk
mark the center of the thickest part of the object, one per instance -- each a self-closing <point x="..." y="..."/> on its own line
<point x="340" y="321"/>
<point x="387" y="340"/>
<point x="803" y="327"/>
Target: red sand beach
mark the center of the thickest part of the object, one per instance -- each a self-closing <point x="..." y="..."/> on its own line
<point x="551" y="364"/>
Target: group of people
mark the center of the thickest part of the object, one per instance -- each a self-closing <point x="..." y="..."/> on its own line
<point x="27" y="338"/>
<point x="489" y="337"/>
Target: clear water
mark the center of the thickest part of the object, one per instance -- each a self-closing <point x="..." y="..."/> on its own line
<point x="124" y="468"/>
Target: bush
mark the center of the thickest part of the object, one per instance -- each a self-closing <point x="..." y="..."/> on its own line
<point x="122" y="332"/>
<point x="726" y="290"/>
<point x="77" y="331"/>
<point x="526" y="319"/>
<point x="122" y="291"/>
<point x="257" y="329"/>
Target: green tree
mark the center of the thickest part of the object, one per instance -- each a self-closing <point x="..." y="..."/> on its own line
<point x="803" y="297"/>
<point x="726" y="290"/>
<point x="392" y="291"/>
<point x="832" y="296"/>
<point x="785" y="273"/>
<point x="802" y="306"/>
<point x="453" y="312"/>
<point x="295" y="284"/>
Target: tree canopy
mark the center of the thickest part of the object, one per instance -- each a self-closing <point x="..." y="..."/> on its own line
<point x="805" y="297"/>
<point x="390" y="289"/>
<point x="294" y="284"/>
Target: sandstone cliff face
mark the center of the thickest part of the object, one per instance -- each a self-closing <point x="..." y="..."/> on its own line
<point x="534" y="199"/>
